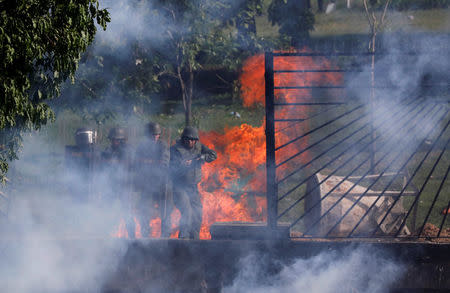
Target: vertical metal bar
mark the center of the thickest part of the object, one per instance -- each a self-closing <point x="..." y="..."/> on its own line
<point x="372" y="108"/>
<point x="443" y="220"/>
<point x="272" y="192"/>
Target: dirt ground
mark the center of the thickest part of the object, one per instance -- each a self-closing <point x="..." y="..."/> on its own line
<point x="430" y="232"/>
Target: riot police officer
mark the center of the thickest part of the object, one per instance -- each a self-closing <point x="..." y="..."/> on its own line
<point x="151" y="167"/>
<point x="81" y="161"/>
<point x="116" y="161"/>
<point x="186" y="159"/>
<point x="118" y="148"/>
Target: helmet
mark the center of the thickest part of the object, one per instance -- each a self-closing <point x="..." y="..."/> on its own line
<point x="190" y="132"/>
<point x="85" y="136"/>
<point x="153" y="128"/>
<point x="117" y="133"/>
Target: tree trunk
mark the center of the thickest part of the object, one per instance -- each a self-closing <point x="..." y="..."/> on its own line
<point x="186" y="92"/>
<point x="375" y="25"/>
<point x="189" y="94"/>
<point x="320" y="5"/>
<point x="183" y="91"/>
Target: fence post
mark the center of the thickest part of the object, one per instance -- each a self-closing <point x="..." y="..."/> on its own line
<point x="272" y="192"/>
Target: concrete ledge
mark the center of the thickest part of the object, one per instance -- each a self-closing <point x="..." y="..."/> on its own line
<point x="247" y="231"/>
<point x="176" y="265"/>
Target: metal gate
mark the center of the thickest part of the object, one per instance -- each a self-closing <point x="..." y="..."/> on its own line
<point x="357" y="145"/>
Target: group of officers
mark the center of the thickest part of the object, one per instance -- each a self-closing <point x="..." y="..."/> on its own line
<point x="146" y="180"/>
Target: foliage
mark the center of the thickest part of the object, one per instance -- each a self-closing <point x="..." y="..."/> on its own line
<point x="196" y="31"/>
<point x="247" y="11"/>
<point x="294" y="18"/>
<point x="106" y="85"/>
<point x="138" y="71"/>
<point x="41" y="44"/>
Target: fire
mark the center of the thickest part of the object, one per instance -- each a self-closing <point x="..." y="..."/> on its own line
<point x="122" y="232"/>
<point x="253" y="92"/>
<point x="233" y="186"/>
<point x="155" y="227"/>
<point x="252" y="81"/>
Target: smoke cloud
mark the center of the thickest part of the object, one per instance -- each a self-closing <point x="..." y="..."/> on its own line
<point x="355" y="269"/>
<point x="130" y="20"/>
<point x="51" y="241"/>
<point x="409" y="68"/>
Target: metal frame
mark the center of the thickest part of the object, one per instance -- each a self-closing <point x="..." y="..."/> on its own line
<point x="379" y="160"/>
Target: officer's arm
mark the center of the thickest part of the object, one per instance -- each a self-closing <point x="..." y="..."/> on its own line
<point x="208" y="154"/>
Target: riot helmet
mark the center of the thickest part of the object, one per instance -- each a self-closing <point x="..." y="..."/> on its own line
<point x="153" y="128"/>
<point x="190" y="132"/>
<point x="118" y="133"/>
<point x="85" y="137"/>
<point x="189" y="137"/>
<point x="118" y="137"/>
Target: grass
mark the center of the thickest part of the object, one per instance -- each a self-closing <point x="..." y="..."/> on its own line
<point x="354" y="21"/>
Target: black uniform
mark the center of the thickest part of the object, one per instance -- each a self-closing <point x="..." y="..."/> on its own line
<point x="151" y="164"/>
<point x="185" y="165"/>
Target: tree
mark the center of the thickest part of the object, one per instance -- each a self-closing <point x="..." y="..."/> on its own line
<point x="197" y="33"/>
<point x="376" y="24"/>
<point x="160" y="56"/>
<point x="319" y="4"/>
<point x="108" y="82"/>
<point x="246" y="23"/>
<point x="41" y="44"/>
<point x="294" y="18"/>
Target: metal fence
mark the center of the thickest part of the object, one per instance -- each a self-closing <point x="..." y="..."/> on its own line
<point x="357" y="145"/>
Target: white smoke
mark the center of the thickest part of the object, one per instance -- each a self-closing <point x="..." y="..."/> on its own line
<point x="352" y="270"/>
<point x="51" y="242"/>
<point x="139" y="20"/>
<point x="404" y="73"/>
<point x="130" y="21"/>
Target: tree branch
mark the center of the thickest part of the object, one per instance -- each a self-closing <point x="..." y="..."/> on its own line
<point x="366" y="9"/>
<point x="89" y="89"/>
<point x="385" y="10"/>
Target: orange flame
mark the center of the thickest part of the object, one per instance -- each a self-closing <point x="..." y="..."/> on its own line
<point x="233" y="187"/>
<point x="155" y="227"/>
